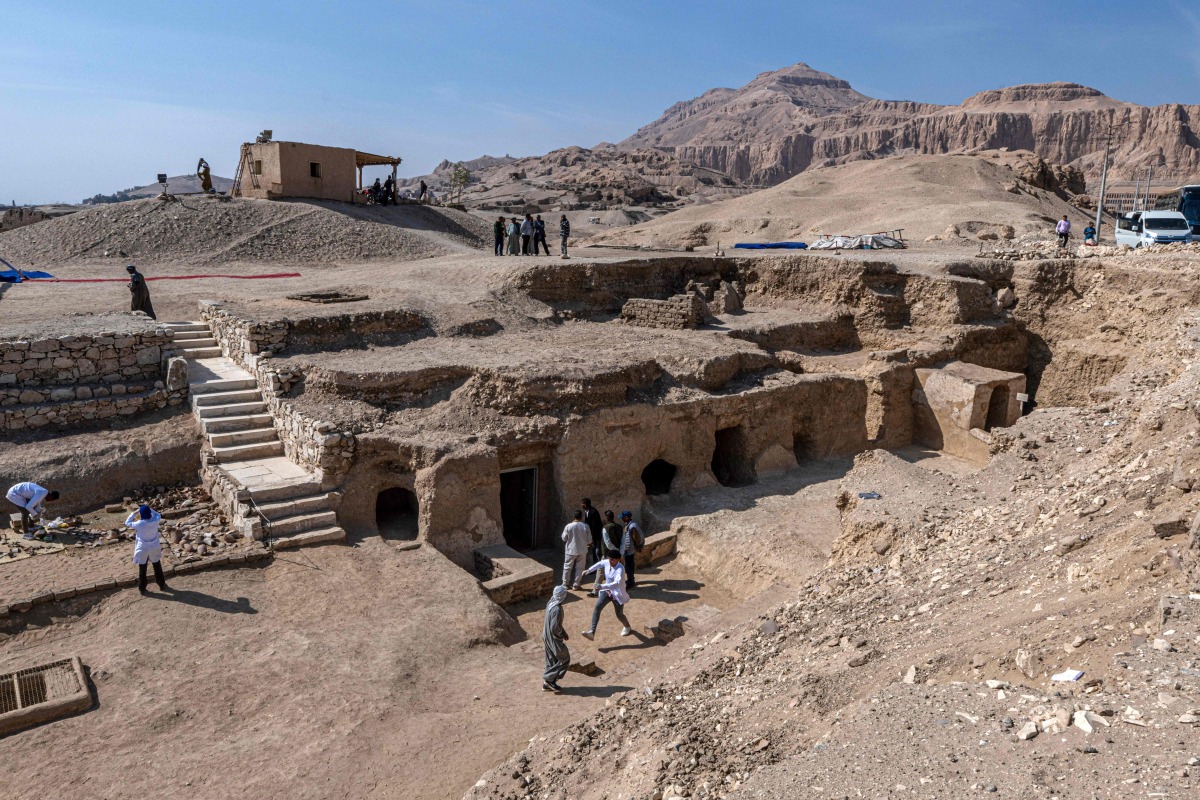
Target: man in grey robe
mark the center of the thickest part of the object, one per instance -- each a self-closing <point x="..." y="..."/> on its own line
<point x="139" y="293"/>
<point x="554" y="636"/>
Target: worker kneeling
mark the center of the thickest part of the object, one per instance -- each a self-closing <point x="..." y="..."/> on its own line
<point x="148" y="547"/>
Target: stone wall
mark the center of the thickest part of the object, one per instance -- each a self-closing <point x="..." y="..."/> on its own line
<point x="104" y="357"/>
<point x="85" y="376"/>
<point x="239" y="337"/>
<point x="679" y="312"/>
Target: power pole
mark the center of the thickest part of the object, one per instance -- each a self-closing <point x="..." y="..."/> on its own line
<point x="1149" y="180"/>
<point x="1108" y="139"/>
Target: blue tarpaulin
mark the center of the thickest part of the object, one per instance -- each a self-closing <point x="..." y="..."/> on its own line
<point x="14" y="275"/>
<point x="772" y="246"/>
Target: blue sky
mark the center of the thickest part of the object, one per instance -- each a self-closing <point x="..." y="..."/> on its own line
<point x="100" y="96"/>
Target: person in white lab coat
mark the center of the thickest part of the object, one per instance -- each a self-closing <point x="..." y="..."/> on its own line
<point x="28" y="497"/>
<point x="147" y="546"/>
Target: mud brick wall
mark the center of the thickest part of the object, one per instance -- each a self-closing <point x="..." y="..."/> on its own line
<point x="106" y="358"/>
<point x="678" y="313"/>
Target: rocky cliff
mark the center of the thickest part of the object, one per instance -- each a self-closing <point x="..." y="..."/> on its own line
<point x="785" y="122"/>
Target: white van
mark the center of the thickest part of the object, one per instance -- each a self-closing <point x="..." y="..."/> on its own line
<point x="1153" y="227"/>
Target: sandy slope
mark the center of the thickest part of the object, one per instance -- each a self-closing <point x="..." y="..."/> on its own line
<point x="924" y="195"/>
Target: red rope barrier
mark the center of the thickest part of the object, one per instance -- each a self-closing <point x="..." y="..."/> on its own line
<point x="160" y="278"/>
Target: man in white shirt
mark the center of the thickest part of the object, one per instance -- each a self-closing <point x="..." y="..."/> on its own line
<point x="612" y="590"/>
<point x="576" y="537"/>
<point x="28" y="497"/>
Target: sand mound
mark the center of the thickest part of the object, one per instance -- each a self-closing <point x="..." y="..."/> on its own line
<point x="979" y="196"/>
<point x="206" y="230"/>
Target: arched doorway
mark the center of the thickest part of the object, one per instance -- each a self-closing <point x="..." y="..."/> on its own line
<point x="396" y="512"/>
<point x="997" y="412"/>
<point x="731" y="463"/>
<point x="658" y="476"/>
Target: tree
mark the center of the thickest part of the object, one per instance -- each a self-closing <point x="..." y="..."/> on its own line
<point x="459" y="179"/>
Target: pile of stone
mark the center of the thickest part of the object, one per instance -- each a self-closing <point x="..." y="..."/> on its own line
<point x="193" y="526"/>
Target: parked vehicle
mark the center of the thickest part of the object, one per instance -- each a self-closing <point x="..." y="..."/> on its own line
<point x="1153" y="227"/>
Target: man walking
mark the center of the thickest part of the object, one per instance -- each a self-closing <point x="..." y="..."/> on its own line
<point x="1063" y="229"/>
<point x="422" y="190"/>
<point x="147" y="546"/>
<point x="28" y="497"/>
<point x="539" y="236"/>
<point x="554" y="637"/>
<point x="612" y="590"/>
<point x="564" y="231"/>
<point x="498" y="234"/>
<point x="576" y="537"/>
<point x="631" y="544"/>
<point x="139" y="293"/>
<point x="526" y="235"/>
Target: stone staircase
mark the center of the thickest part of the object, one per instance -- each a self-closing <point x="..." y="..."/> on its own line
<point x="245" y="445"/>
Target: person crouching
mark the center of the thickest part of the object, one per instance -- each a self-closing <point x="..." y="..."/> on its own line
<point x="147" y="546"/>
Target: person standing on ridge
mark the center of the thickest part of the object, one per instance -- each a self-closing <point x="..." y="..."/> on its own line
<point x="139" y="293"/>
<point x="539" y="236"/>
<point x="554" y="637"/>
<point x="564" y="232"/>
<point x="526" y="235"/>
<point x="422" y="189"/>
<point x="514" y="237"/>
<point x="576" y="538"/>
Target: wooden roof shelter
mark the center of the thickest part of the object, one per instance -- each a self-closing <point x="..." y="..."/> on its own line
<point x="370" y="160"/>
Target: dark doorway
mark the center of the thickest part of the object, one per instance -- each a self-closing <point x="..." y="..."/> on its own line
<point x="997" y="413"/>
<point x="803" y="447"/>
<point x="658" y="476"/>
<point x="396" y="514"/>
<point x="731" y="458"/>
<point x="518" y="507"/>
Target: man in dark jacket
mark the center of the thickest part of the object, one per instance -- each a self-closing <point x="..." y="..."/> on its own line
<point x="592" y="518"/>
<point x="539" y="236"/>
<point x="498" y="233"/>
<point x="139" y="293"/>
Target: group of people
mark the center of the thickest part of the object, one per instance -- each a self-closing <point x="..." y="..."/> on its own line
<point x="385" y="193"/>
<point x="516" y="237"/>
<point x="611" y="548"/>
<point x="30" y="499"/>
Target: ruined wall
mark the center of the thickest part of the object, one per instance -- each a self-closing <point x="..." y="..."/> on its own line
<point x="13" y="218"/>
<point x="678" y="312"/>
<point x="602" y="455"/>
<point x="77" y="379"/>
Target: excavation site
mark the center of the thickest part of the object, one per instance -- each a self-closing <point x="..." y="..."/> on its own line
<point x="801" y="444"/>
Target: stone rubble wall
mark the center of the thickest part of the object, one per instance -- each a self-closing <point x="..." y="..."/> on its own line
<point x="314" y="444"/>
<point x="680" y="312"/>
<point x="75" y="380"/>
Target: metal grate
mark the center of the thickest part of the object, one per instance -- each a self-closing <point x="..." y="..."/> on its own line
<point x="29" y="687"/>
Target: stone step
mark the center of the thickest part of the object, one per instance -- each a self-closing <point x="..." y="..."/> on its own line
<point x="288" y="490"/>
<point x="202" y="342"/>
<point x="198" y="352"/>
<point x="289" y="526"/>
<point x="222" y="385"/>
<point x="188" y="327"/>
<point x="190" y="336"/>
<point x="225" y="398"/>
<point x="231" y="410"/>
<point x="246" y="422"/>
<point x="245" y="452"/>
<point x="250" y="436"/>
<point x="300" y="505"/>
<point x="322" y="536"/>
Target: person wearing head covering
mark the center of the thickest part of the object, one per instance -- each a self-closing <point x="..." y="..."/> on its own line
<point x="554" y="636"/>
<point x="514" y="237"/>
<point x="147" y="546"/>
<point x="139" y="293"/>
<point x="612" y="590"/>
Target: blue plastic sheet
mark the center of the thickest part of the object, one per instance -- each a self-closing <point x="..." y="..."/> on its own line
<point x="772" y="246"/>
